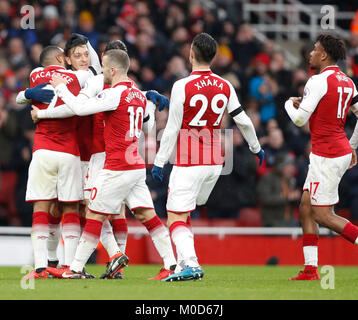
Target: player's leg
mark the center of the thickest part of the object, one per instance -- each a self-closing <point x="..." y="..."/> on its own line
<point x="41" y="190"/>
<point x="70" y="194"/>
<point x="107" y="196"/>
<point x="309" y="240"/>
<point x="161" y="239"/>
<point x="71" y="231"/>
<point x="120" y="228"/>
<point x="184" y="187"/>
<point x="141" y="204"/>
<point x="54" y="233"/>
<point x="39" y="237"/>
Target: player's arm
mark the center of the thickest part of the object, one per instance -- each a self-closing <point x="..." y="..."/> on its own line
<point x="354" y="107"/>
<point x="174" y="123"/>
<point x="37" y="93"/>
<point x="313" y="93"/>
<point x="106" y="100"/>
<point x="95" y="63"/>
<point x="149" y="117"/>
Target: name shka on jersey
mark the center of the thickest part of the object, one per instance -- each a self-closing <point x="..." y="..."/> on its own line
<point x="48" y="74"/>
<point x="207" y="82"/>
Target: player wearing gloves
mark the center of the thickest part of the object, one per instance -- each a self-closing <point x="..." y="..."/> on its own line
<point x="197" y="105"/>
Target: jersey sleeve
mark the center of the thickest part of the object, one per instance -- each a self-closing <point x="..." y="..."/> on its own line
<point x="106" y="100"/>
<point x="233" y="105"/>
<point x="149" y="117"/>
<point x="93" y="86"/>
<point x="174" y="123"/>
<point x="314" y="90"/>
<point x="21" y="99"/>
<point x="95" y="64"/>
<point x="354" y="107"/>
<point x="62" y="111"/>
<point x="83" y="76"/>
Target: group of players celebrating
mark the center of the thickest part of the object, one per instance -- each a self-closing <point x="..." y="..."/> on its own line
<point x="86" y="167"/>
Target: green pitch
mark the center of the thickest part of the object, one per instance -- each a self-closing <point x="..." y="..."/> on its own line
<point x="219" y="283"/>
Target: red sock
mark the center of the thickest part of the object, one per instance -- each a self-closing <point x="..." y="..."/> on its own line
<point x="188" y="222"/>
<point x="39" y="237"/>
<point x="119" y="225"/>
<point x="53" y="220"/>
<point x="93" y="229"/>
<point x="177" y="224"/>
<point x="350" y="232"/>
<point x="71" y="232"/>
<point x="153" y="223"/>
<point x="309" y="239"/>
<point x="40" y="218"/>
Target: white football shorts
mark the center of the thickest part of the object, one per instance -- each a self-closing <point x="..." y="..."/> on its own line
<point x="54" y="175"/>
<point x="96" y="163"/>
<point x="112" y="188"/>
<point x="323" y="178"/>
<point x="191" y="186"/>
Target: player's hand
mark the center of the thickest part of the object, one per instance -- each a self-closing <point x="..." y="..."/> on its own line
<point x="57" y="80"/>
<point x="261" y="156"/>
<point x="158" y="99"/>
<point x="354" y="159"/>
<point x="157" y="173"/>
<point x="296" y="101"/>
<point x="34" y="117"/>
<point x="39" y="94"/>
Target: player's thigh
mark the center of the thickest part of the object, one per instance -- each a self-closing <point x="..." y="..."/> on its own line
<point x="42" y="176"/>
<point x="109" y="191"/>
<point x="69" y="185"/>
<point x="207" y="186"/>
<point x="184" y="187"/>
<point x="323" y="178"/>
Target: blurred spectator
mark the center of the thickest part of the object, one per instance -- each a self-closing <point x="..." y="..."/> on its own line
<point x="274" y="146"/>
<point x="86" y="27"/>
<point x="51" y="26"/>
<point x="8" y="131"/>
<point x="245" y="46"/>
<point x="278" y="194"/>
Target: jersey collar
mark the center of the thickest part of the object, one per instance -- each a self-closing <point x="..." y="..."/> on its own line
<point x="334" y="67"/>
<point x="54" y="67"/>
<point x="127" y="83"/>
<point x="201" y="72"/>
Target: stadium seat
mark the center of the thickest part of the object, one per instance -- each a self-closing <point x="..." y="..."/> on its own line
<point x="249" y="217"/>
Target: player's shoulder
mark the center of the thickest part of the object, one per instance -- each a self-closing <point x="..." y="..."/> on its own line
<point x="36" y="70"/>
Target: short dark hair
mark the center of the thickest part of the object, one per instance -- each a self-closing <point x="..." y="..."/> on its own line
<point x="47" y="54"/>
<point x="204" y="47"/>
<point x="116" y="44"/>
<point x="75" y="40"/>
<point x="333" y="45"/>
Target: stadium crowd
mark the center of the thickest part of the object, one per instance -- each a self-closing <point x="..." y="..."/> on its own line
<point x="158" y="34"/>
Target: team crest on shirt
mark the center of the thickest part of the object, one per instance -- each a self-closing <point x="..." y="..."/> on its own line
<point x="101" y="95"/>
<point x="306" y="92"/>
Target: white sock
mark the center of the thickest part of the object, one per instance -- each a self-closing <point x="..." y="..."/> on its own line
<point x="120" y="232"/>
<point x="71" y="232"/>
<point x="184" y="242"/>
<point x="39" y="237"/>
<point x="107" y="239"/>
<point x="87" y="244"/>
<point x="310" y="254"/>
<point x="161" y="240"/>
<point x="54" y="238"/>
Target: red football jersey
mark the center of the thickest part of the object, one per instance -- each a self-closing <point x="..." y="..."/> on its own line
<point x="333" y="91"/>
<point x="55" y="134"/>
<point x="123" y="127"/>
<point x="205" y="97"/>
